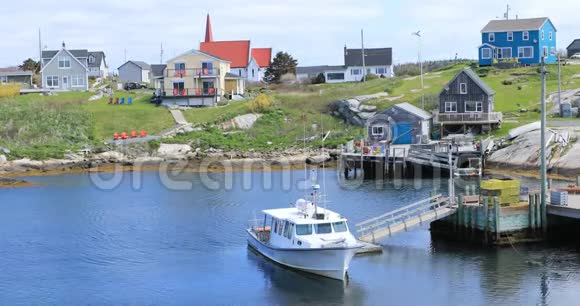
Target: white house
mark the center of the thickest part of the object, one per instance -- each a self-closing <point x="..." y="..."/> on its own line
<point x="378" y="61"/>
<point x="97" y="63"/>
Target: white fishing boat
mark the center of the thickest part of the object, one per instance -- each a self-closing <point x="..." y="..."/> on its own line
<point x="305" y="237"/>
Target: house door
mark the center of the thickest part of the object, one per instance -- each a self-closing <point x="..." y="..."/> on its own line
<point x="403" y="133"/>
<point x="65" y="82"/>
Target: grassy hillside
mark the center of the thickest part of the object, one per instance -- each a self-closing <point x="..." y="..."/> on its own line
<point x="41" y="127"/>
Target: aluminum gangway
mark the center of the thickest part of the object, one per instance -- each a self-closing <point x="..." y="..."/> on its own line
<point x="404" y="218"/>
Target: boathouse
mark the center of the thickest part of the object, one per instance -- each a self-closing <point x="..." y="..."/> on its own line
<point x="402" y="123"/>
<point x="466" y="105"/>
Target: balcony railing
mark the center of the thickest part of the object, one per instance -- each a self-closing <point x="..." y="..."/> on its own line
<point x="192" y="92"/>
<point x="194" y="72"/>
<point x="468" y="118"/>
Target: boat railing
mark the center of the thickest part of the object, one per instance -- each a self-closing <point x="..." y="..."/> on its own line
<point x="261" y="232"/>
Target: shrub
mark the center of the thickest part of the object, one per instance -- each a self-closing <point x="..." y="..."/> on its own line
<point x="260" y="104"/>
<point x="319" y="79"/>
<point x="507" y="82"/>
<point x="371" y="77"/>
<point x="9" y="90"/>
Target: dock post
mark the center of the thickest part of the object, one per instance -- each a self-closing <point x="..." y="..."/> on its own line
<point x="496" y="210"/>
<point x="460" y="212"/>
<point x="486" y="219"/>
<point x="532" y="211"/>
<point x="578" y="181"/>
<point x="538" y="208"/>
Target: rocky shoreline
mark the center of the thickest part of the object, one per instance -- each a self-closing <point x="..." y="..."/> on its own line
<point x="168" y="154"/>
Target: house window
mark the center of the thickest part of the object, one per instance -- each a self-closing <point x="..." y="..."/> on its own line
<point x="381" y="70"/>
<point x="253" y="73"/>
<point x="335" y="76"/>
<point x="368" y="70"/>
<point x="91" y="59"/>
<point x="463" y="88"/>
<point x="451" y="107"/>
<point x="526" y="35"/>
<point x="473" y="107"/>
<point x="355" y="71"/>
<point x="3" y="79"/>
<point x="491" y="37"/>
<point x="545" y="51"/>
<point x="543" y="36"/>
<point x="240" y="72"/>
<point x="510" y="36"/>
<point x="179" y="66"/>
<point x="178" y="88"/>
<point x="52" y="81"/>
<point x="504" y="53"/>
<point x="550" y="35"/>
<point x="77" y="81"/>
<point x="526" y="52"/>
<point x="377" y="131"/>
<point x="552" y="51"/>
<point x="63" y="62"/>
<point x="486" y="53"/>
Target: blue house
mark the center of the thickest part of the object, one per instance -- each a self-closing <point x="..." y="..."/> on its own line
<point x="525" y="39"/>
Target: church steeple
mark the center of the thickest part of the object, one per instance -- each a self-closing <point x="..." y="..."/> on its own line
<point x="208" y="31"/>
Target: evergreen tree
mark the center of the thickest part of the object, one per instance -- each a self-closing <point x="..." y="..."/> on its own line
<point x="282" y="64"/>
<point x="30" y="65"/>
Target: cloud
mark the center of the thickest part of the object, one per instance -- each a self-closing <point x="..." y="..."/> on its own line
<point x="314" y="31"/>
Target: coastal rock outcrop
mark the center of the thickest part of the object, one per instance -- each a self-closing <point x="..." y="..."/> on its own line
<point x="173" y="151"/>
<point x="242" y="122"/>
<point x="352" y="111"/>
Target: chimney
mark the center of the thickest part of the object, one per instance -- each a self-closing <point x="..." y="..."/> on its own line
<point x="345" y="52"/>
<point x="208" y="31"/>
<point x="63" y="45"/>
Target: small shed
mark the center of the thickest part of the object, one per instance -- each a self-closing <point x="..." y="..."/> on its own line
<point x="402" y="123"/>
<point x="134" y="71"/>
<point x="574" y="48"/>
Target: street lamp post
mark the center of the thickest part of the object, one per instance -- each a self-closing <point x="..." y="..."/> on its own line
<point x="418" y="34"/>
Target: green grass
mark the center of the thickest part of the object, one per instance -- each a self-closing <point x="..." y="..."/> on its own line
<point x="41" y="127"/>
<point x="212" y="115"/>
<point x="141" y="115"/>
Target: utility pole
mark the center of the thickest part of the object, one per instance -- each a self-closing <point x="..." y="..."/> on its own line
<point x="559" y="82"/>
<point x="362" y="40"/>
<point x="507" y="12"/>
<point x="161" y="55"/>
<point x="544" y="174"/>
<point x="418" y="34"/>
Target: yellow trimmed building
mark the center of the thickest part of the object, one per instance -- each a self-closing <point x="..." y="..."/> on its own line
<point x="196" y="78"/>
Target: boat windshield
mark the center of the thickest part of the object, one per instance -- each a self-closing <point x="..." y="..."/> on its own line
<point x="339" y="227"/>
<point x="303" y="229"/>
<point x="323" y="228"/>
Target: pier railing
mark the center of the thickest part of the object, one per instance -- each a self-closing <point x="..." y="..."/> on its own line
<point x="402" y="219"/>
<point x="468" y="118"/>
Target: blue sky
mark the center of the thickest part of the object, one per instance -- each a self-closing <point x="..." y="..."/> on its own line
<point x="314" y="31"/>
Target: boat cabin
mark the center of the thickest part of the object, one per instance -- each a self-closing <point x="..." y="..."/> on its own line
<point x="293" y="228"/>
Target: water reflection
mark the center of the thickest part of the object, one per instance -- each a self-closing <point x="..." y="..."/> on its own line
<point x="290" y="286"/>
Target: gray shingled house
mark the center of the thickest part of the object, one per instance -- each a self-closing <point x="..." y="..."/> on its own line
<point x="134" y="71"/>
<point x="574" y="48"/>
<point x="65" y="69"/>
<point x="15" y="75"/>
<point x="466" y="104"/>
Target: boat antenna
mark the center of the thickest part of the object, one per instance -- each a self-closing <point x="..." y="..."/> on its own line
<point x="305" y="165"/>
<point x="323" y="194"/>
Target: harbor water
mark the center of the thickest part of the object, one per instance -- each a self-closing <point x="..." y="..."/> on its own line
<point x="136" y="242"/>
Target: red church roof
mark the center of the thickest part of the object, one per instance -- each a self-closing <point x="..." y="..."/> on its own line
<point x="263" y="56"/>
<point x="237" y="52"/>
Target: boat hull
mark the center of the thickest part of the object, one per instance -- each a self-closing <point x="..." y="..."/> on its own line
<point x="330" y="262"/>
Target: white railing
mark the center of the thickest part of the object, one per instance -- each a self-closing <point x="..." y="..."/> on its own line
<point x="401" y="215"/>
<point x="468" y="117"/>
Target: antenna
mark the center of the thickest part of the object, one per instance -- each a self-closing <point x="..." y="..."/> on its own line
<point x="507" y="12"/>
<point x="323" y="195"/>
<point x="161" y="55"/>
<point x="40" y="48"/>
